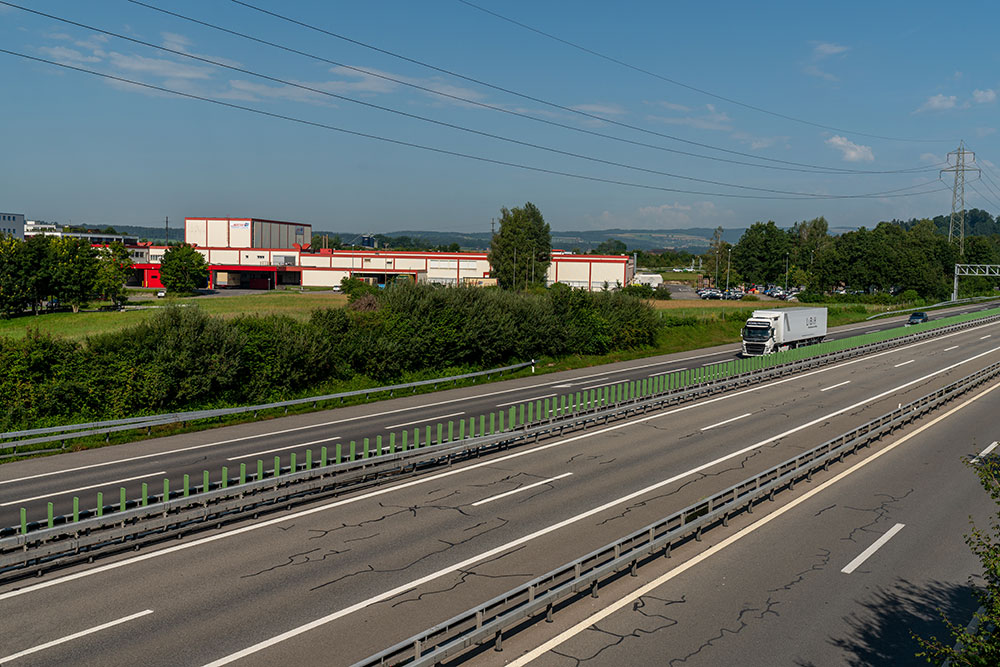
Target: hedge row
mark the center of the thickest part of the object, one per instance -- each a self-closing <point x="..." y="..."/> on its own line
<point x="183" y="359"/>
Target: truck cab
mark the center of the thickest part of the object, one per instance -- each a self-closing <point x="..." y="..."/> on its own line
<point x="758" y="337"/>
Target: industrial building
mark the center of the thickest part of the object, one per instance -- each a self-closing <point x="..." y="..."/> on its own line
<point x="263" y="254"/>
<point x="12" y="224"/>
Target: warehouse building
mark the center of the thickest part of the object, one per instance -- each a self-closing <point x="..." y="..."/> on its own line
<point x="263" y="254"/>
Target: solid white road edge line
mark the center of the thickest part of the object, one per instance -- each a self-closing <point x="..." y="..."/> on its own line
<point x="726" y="421"/>
<point x="876" y="545"/>
<point x="281" y="449"/>
<point x="672" y="370"/>
<point x="729" y="541"/>
<point x="403" y="588"/>
<point x="76" y="635"/>
<point x="519" y="490"/>
<point x="904" y="363"/>
<point x="389" y="412"/>
<point x="985" y="452"/>
<point x="81" y="488"/>
<point x="428" y="419"/>
<point x="514" y="455"/>
<point x="949" y="349"/>
<point x="573" y="384"/>
<point x="834" y="386"/>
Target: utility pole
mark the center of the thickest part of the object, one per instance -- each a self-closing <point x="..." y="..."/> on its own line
<point x="729" y="263"/>
<point x="493" y="227"/>
<point x="956" y="225"/>
<point x="166" y="230"/>
<point x="786" y="271"/>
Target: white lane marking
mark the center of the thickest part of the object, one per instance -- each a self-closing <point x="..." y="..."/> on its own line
<point x="834" y="386"/>
<point x="985" y="452"/>
<point x="525" y="400"/>
<point x="403" y="588"/>
<point x="726" y="421"/>
<point x="448" y="473"/>
<point x="712" y="363"/>
<point x="985" y="337"/>
<point x="672" y="370"/>
<point x="281" y="449"/>
<point x="82" y="488"/>
<point x="729" y="541"/>
<point x="904" y="363"/>
<point x="519" y="490"/>
<point x="949" y="349"/>
<point x="389" y="412"/>
<point x="75" y="635"/>
<point x="573" y="384"/>
<point x="878" y="544"/>
<point x="426" y="419"/>
<point x="597" y="386"/>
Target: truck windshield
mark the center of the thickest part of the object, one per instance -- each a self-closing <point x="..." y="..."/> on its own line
<point x="759" y="334"/>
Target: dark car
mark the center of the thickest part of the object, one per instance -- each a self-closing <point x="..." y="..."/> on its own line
<point x="917" y="318"/>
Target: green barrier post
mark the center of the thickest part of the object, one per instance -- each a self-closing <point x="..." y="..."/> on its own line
<point x="24" y="521"/>
<point x="187" y="485"/>
<point x="76" y="509"/>
<point x="51" y="518"/>
<point x="100" y="503"/>
<point x="145" y="494"/>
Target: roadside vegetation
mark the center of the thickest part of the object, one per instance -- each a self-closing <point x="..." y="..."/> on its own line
<point x="184" y="358"/>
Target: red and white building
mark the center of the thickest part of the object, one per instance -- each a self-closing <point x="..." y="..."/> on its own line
<point x="261" y="254"/>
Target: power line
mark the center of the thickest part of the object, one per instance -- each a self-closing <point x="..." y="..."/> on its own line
<point x="554" y="105"/>
<point x="685" y="85"/>
<point x="426" y="119"/>
<point x="809" y="169"/>
<point x="988" y="200"/>
<point x="442" y="151"/>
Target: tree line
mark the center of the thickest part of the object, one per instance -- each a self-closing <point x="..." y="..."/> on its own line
<point x="64" y="269"/>
<point x="181" y="358"/>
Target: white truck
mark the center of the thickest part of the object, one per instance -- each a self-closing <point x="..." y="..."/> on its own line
<point x="770" y="331"/>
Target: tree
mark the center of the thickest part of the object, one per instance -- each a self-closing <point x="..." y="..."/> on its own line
<point x="73" y="271"/>
<point x="610" y="247"/>
<point x="977" y="643"/>
<point x="520" y="251"/>
<point x="15" y="283"/>
<point x="38" y="268"/>
<point x="183" y="269"/>
<point x="761" y="253"/>
<point x="113" y="268"/>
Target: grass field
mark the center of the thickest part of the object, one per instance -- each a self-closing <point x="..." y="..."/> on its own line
<point x="79" y="325"/>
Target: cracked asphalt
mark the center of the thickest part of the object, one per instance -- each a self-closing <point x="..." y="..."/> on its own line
<point x="379" y="565"/>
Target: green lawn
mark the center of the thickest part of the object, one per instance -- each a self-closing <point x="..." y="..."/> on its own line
<point x="79" y="325"/>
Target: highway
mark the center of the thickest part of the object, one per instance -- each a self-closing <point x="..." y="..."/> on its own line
<point x="34" y="483"/>
<point x="333" y="582"/>
<point x="841" y="577"/>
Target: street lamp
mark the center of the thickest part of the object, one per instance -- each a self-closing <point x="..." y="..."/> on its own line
<point x="729" y="262"/>
<point x="716" y="285"/>
<point x="786" y="271"/>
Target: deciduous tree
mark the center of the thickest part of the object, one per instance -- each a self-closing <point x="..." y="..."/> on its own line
<point x="520" y="251"/>
<point x="183" y="269"/>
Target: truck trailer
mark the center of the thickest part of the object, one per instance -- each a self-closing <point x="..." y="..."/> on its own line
<point x="770" y="331"/>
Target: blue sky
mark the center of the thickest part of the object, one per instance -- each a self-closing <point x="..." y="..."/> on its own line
<point x="88" y="150"/>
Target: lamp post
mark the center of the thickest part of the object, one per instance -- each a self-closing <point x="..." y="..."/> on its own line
<point x="716" y="284"/>
<point x="786" y="272"/>
<point x="729" y="262"/>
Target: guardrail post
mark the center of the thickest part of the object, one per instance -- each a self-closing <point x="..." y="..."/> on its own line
<point x="277" y="466"/>
<point x="145" y="494"/>
<point x="511" y="422"/>
<point x="521" y="420"/>
<point x="392" y="443"/>
<point x="493" y="423"/>
<point x="51" y="519"/>
<point x="100" y="503"/>
<point x="378" y="446"/>
<point x="451" y="430"/>
<point x="353" y="450"/>
<point x="548" y="414"/>
<point x="205" y="480"/>
<point x="76" y="509"/>
<point x="225" y="474"/>
<point x="461" y="431"/>
<point x="364" y="449"/>
<point x="338" y="454"/>
<point x="472" y="427"/>
<point x="166" y="489"/>
<point x="502" y="413"/>
<point x="406" y="435"/>
<point x="440" y="433"/>
<point x="482" y="425"/>
<point x="416" y="437"/>
<point x="121" y="499"/>
<point x="322" y="457"/>
<point x="309" y="459"/>
<point x="24" y="521"/>
<point x="427" y="435"/>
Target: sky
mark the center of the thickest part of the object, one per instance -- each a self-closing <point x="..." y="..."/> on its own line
<point x="684" y="130"/>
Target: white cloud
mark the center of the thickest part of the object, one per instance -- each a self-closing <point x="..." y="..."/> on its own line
<point x="931" y="158"/>
<point x="758" y="143"/>
<point x="984" y="96"/>
<point x="66" y="55"/>
<point x="813" y="70"/>
<point x="826" y="49"/>
<point x="850" y="151"/>
<point x="172" y="40"/>
<point x="711" y="120"/>
<point x="158" y="67"/>
<point x="672" y="106"/>
<point x="939" y="102"/>
<point x="601" y="109"/>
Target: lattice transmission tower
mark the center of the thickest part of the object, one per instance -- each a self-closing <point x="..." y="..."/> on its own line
<point x="956" y="226"/>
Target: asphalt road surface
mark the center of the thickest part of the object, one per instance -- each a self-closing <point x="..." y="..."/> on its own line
<point x="333" y="582"/>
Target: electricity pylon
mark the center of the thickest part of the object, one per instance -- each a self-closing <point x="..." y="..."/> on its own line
<point x="956" y="226"/>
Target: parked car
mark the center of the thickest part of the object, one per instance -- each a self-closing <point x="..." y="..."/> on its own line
<point x="161" y="293"/>
<point x="916" y="318"/>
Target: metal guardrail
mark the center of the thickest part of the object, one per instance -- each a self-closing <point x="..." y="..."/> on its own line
<point x="112" y="425"/>
<point x="488" y="621"/>
<point x="75" y="536"/>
